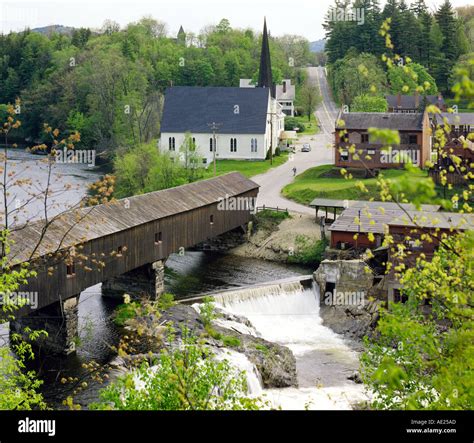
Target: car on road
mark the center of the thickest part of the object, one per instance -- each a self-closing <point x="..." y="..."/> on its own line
<point x="306" y="148"/>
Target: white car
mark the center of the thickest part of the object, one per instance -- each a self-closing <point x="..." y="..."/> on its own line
<point x="306" y="148"/>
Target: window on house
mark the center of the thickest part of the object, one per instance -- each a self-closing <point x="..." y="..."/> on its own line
<point x="192" y="144"/>
<point x="365" y="138"/>
<point x="120" y="251"/>
<point x="398" y="297"/>
<point x="344" y="156"/>
<point x="370" y="151"/>
<point x="253" y="145"/>
<point x="211" y="219"/>
<point x="412" y="139"/>
<point x="158" y="238"/>
<point x="172" y="143"/>
<point x="71" y="269"/>
<point x="211" y="144"/>
<point x="233" y="145"/>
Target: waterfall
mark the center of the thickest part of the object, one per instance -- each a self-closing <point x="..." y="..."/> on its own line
<point x="288" y="314"/>
<point x="240" y="362"/>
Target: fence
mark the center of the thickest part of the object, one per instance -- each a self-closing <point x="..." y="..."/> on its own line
<point x="269" y="208"/>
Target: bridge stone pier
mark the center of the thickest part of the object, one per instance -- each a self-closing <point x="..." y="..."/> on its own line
<point x="59" y="320"/>
<point x="145" y="281"/>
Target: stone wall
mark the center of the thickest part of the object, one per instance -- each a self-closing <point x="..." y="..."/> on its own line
<point x="347" y="302"/>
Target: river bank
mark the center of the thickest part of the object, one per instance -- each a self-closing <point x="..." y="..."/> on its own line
<point x="279" y="240"/>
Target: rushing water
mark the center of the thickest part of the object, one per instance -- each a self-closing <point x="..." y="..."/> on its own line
<point x="289" y="315"/>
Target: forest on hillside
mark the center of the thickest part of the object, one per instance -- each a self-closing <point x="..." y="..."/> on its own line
<point x="108" y="85"/>
<point x="435" y="42"/>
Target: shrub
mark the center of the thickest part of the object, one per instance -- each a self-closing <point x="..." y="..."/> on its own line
<point x="207" y="311"/>
<point x="166" y="301"/>
<point x="308" y="252"/>
<point x="187" y="377"/>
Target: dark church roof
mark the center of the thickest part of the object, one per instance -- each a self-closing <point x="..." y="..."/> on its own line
<point x="265" y="78"/>
<point x="382" y="120"/>
<point x="237" y="110"/>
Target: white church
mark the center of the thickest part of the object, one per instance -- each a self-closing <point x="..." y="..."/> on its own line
<point x="246" y="123"/>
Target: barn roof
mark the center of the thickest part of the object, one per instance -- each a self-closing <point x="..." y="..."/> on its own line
<point x="336" y="203"/>
<point x="378" y="222"/>
<point x="381" y="120"/>
<point x="85" y="224"/>
<point x="409" y="101"/>
<point x="441" y="220"/>
<point x="460" y="118"/>
<point x="236" y="110"/>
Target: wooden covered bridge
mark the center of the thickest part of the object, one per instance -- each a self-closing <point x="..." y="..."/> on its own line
<point x="120" y="244"/>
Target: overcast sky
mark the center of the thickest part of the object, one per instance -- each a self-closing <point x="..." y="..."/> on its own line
<point x="304" y="17"/>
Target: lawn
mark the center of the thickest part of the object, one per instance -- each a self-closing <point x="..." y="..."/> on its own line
<point x="245" y="167"/>
<point x="311" y="127"/>
<point x="327" y="182"/>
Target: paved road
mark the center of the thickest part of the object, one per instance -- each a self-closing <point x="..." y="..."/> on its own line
<point x="275" y="179"/>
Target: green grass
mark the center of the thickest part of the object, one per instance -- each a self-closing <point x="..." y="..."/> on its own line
<point x="276" y="216"/>
<point x="230" y="341"/>
<point x="311" y="127"/>
<point x="327" y="182"/>
<point x="245" y="167"/>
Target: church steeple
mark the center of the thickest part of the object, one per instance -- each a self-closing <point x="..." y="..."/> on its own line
<point x="265" y="79"/>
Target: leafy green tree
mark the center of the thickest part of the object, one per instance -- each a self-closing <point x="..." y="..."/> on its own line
<point x="407" y="81"/>
<point x="356" y="75"/>
<point x="308" y="99"/>
<point x="369" y="103"/>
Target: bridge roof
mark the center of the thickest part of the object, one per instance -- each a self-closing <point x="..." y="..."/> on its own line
<point x="85" y="224"/>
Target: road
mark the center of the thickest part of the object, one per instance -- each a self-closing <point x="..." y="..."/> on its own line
<point x="272" y="181"/>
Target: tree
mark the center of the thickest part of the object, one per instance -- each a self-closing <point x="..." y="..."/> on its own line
<point x="80" y="37"/>
<point x="191" y="158"/>
<point x="356" y="74"/>
<point x="407" y="81"/>
<point x="309" y="99"/>
<point x="418" y="361"/>
<point x="369" y="103"/>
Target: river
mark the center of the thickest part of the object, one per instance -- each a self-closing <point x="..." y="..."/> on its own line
<point x="322" y="357"/>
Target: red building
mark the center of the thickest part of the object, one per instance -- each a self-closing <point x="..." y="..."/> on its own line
<point x="352" y="133"/>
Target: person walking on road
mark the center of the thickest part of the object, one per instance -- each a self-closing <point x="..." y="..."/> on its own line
<point x="294" y="172"/>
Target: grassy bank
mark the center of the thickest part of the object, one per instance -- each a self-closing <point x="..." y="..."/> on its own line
<point x="327" y="182"/>
<point x="311" y="127"/>
<point x="245" y="167"/>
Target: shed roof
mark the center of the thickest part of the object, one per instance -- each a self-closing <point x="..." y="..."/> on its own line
<point x="85" y="224"/>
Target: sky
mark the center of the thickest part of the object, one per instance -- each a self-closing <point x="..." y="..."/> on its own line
<point x="304" y="17"/>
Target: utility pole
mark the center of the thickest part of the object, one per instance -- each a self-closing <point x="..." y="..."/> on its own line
<point x="214" y="128"/>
